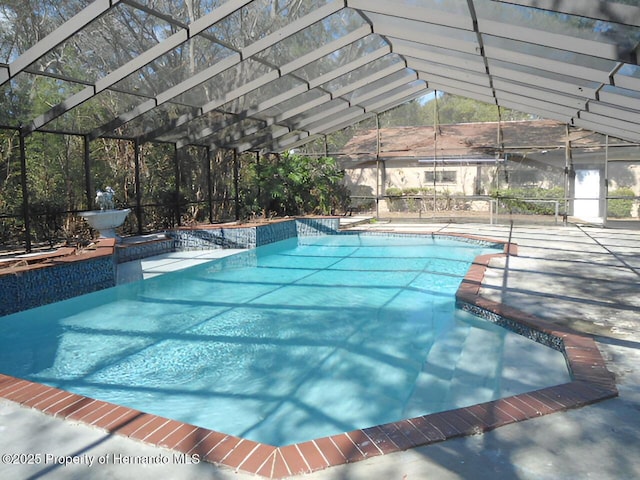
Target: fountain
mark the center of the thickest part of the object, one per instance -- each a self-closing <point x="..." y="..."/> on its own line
<point x="108" y="218"/>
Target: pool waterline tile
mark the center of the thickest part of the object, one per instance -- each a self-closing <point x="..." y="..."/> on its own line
<point x="591" y="382"/>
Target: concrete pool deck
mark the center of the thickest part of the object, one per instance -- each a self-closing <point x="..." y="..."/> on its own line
<point x="584" y="278"/>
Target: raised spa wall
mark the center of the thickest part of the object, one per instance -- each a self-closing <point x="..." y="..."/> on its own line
<point x="37" y="280"/>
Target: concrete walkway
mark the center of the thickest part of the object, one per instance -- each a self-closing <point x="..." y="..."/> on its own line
<point x="587" y="278"/>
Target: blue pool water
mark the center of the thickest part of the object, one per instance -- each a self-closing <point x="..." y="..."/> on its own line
<point x="292" y="341"/>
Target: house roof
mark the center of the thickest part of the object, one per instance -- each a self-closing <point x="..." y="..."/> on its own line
<point x="256" y="75"/>
<point x="471" y="141"/>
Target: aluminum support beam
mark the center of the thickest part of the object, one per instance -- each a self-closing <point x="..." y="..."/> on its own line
<point x="448" y="83"/>
<point x="247" y="52"/>
<point x="325" y="97"/>
<point x="429" y="34"/>
<point x="69" y="28"/>
<point x="438" y="55"/>
<point x="605" y="129"/>
<point x="344" y="91"/>
<point x="568" y="43"/>
<point x="537" y="104"/>
<point x="611" y="12"/>
<point x="109" y="80"/>
<point x="357" y="114"/>
<point x="395" y="97"/>
<point x="592" y="81"/>
<point x="294" y="27"/>
<point x="300" y="90"/>
<point x="495" y="51"/>
<point x="142" y="60"/>
<point x="401" y="10"/>
<point x="466" y="76"/>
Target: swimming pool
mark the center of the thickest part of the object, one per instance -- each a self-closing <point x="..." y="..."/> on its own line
<point x="293" y="341"/>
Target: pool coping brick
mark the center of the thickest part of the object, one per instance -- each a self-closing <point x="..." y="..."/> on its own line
<point x="591" y="382"/>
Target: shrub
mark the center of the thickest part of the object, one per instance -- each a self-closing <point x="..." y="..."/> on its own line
<point x="620" y="207"/>
<point x="514" y="199"/>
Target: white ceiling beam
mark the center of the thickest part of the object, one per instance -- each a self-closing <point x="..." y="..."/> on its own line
<point x="65" y="31"/>
<point x="577" y="103"/>
<point x="570" y="66"/>
<point x="439" y="55"/>
<point x="537" y="104"/>
<point x="611" y="12"/>
<point x="620" y="97"/>
<point x="610" y="51"/>
<point x="248" y="51"/>
<point x="395" y="97"/>
<point x="611" y="122"/>
<point x="429" y="34"/>
<point x="146" y="58"/>
<point x="607" y="129"/>
<point x="538" y="111"/>
<point x="553" y="81"/>
<point x="466" y="76"/>
<point x="268" y="103"/>
<point x="403" y="11"/>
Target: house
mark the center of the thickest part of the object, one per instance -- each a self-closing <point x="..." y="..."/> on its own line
<point x="466" y="166"/>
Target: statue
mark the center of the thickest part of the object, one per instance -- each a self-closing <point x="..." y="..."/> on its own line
<point x="107" y="219"/>
<point x="104" y="200"/>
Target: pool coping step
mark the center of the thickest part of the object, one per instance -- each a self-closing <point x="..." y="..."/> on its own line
<point x="592" y="382"/>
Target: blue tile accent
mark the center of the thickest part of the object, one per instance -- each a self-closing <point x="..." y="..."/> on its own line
<point x="307" y="227"/>
<point x="140" y="250"/>
<point x="275" y="232"/>
<point x="252" y="236"/>
<point x="207" y="239"/>
<point x="40" y="286"/>
<point x="473" y="241"/>
<point x="538" y="336"/>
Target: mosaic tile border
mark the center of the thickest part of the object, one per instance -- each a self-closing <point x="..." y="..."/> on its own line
<point x="57" y="277"/>
<point x="591" y="382"/>
<point x="127" y="252"/>
<point x="251" y="236"/>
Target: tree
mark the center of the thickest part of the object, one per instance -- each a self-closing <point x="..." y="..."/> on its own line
<point x="291" y="184"/>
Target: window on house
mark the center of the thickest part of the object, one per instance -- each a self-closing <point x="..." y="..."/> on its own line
<point x="440" y="176"/>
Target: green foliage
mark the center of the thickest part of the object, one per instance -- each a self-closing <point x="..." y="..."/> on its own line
<point x="412" y="113"/>
<point x="395" y="191"/>
<point x="290" y="184"/>
<point x="620" y="207"/>
<point x="514" y="199"/>
<point x="414" y="199"/>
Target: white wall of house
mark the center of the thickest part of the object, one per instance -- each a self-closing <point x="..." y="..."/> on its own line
<point x="453" y="179"/>
<point x="463" y="180"/>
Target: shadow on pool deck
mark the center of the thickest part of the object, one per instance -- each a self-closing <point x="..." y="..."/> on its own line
<point x="567" y="276"/>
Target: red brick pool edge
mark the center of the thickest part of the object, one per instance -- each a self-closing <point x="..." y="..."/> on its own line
<point x="591" y="383"/>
